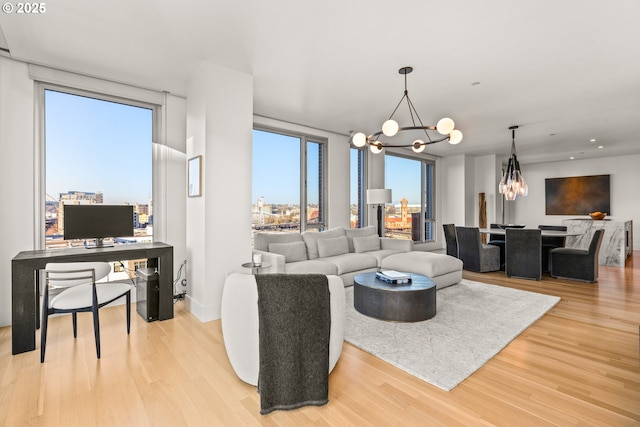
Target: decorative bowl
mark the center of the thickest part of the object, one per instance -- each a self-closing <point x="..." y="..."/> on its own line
<point x="597" y="215"/>
<point x="505" y="226"/>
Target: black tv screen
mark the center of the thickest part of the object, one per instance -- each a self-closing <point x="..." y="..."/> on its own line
<point x="577" y="195"/>
<point x="97" y="221"/>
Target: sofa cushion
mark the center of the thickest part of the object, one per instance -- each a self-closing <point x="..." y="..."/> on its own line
<point x="292" y="251"/>
<point x="381" y="254"/>
<point x="333" y="246"/>
<point x="262" y="240"/>
<point x="366" y="243"/>
<point x="426" y="263"/>
<point x="351" y="233"/>
<point x="311" y="266"/>
<point x="311" y="239"/>
<point x="346" y="263"/>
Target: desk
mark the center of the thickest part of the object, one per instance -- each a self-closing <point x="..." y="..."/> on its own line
<point x="24" y="279"/>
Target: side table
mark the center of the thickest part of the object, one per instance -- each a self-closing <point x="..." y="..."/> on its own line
<point x="255" y="268"/>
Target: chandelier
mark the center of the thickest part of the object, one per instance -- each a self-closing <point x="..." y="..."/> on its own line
<point x="512" y="183"/>
<point x="390" y="128"/>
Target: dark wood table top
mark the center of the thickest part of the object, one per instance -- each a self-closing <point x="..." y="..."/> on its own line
<point x="419" y="282"/>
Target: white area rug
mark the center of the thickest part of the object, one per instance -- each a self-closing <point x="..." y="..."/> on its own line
<point x="474" y="321"/>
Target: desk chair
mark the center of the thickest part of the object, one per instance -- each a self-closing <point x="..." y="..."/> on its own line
<point x="76" y="290"/>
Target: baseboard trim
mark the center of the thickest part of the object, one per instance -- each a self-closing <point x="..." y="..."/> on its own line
<point x="204" y="313"/>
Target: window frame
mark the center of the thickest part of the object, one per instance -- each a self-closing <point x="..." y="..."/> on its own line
<point x="305" y="138"/>
<point x="424" y="161"/>
<point x="40" y="141"/>
<point x="362" y="177"/>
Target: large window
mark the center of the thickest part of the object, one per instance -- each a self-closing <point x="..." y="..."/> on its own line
<point x="288" y="189"/>
<point x="357" y="190"/>
<point x="97" y="150"/>
<point x="410" y="215"/>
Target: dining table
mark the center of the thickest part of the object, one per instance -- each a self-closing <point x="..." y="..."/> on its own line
<point x="543" y="233"/>
<point x="544" y="263"/>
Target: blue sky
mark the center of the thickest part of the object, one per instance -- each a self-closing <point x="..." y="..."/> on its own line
<point x="404" y="178"/>
<point x="94" y="145"/>
<point x="276" y="168"/>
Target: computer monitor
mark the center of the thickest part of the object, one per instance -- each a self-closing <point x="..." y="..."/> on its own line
<point x="97" y="222"/>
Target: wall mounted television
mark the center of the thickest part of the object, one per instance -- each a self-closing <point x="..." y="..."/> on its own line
<point x="97" y="222"/>
<point x="577" y="195"/>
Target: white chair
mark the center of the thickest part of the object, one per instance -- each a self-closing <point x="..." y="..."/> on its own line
<point x="76" y="290"/>
<point x="239" y="316"/>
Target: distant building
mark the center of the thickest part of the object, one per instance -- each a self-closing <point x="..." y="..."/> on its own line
<point x="260" y="211"/>
<point x="75" y="198"/>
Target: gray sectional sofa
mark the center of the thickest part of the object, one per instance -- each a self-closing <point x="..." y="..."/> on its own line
<point x="348" y="252"/>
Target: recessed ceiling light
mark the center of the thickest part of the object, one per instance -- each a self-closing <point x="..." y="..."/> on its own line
<point x="592" y="140"/>
<point x="572" y="158"/>
<point x="600" y="146"/>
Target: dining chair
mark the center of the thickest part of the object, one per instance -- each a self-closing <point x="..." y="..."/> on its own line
<point x="74" y="284"/>
<point x="523" y="253"/>
<point x="577" y="264"/>
<point x="497" y="240"/>
<point x="450" y="239"/>
<point x="549" y="243"/>
<point x="475" y="255"/>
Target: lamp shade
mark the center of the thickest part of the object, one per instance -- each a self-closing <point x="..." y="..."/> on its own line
<point x="378" y="196"/>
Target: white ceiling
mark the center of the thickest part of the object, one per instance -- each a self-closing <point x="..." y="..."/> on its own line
<point x="565" y="71"/>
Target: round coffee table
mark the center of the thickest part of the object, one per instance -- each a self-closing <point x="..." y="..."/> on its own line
<point x="412" y="302"/>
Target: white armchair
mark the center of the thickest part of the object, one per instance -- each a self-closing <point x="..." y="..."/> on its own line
<point x="239" y="316"/>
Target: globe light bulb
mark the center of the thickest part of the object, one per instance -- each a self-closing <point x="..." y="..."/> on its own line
<point x="359" y="139"/>
<point x="418" y="146"/>
<point x="524" y="190"/>
<point x="390" y="127"/>
<point x="455" y="137"/>
<point x="445" y="126"/>
<point x="376" y="147"/>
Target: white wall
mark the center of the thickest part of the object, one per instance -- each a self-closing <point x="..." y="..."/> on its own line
<point x="625" y="202"/>
<point x="486" y="177"/>
<point x="452" y="187"/>
<point x="16" y="172"/>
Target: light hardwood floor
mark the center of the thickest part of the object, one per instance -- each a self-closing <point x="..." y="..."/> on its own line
<point x="577" y="365"/>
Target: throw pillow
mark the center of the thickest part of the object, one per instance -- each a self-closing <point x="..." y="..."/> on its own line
<point x="333" y="246"/>
<point x="359" y="232"/>
<point x="293" y="251"/>
<point x="311" y="239"/>
<point x="366" y="244"/>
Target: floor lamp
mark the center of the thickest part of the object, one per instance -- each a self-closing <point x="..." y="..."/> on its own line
<point x="379" y="196"/>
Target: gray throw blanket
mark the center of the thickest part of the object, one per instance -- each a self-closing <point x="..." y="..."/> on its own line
<point x="294" y="324"/>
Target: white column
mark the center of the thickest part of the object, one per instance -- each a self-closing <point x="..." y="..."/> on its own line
<point x="219" y="127"/>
